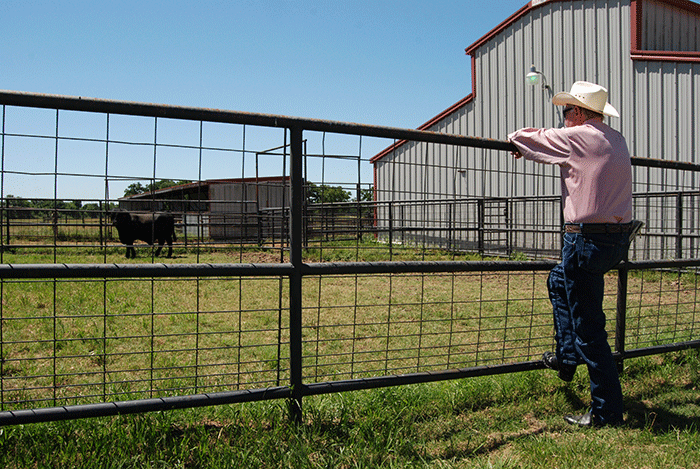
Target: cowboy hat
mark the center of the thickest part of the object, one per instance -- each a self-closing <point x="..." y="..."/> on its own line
<point x="586" y="95"/>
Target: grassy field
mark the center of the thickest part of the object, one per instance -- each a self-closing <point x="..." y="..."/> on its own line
<point x="509" y="421"/>
<point x="83" y="341"/>
<point x="122" y="339"/>
<point x="399" y="323"/>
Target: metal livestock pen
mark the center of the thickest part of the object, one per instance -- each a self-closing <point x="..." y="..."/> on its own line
<point x="84" y="333"/>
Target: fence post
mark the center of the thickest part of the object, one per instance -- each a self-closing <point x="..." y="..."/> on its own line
<point x="295" y="279"/>
<point x="359" y="210"/>
<point x="103" y="243"/>
<point x="481" y="218"/>
<point x="621" y="313"/>
<point x="391" y="230"/>
<point x="679" y="226"/>
<point x="509" y="227"/>
<point x="6" y="218"/>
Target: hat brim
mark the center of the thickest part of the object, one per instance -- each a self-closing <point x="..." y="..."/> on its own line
<point x="563" y="98"/>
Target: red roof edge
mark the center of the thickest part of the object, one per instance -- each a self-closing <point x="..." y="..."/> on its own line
<point x="207" y="183"/>
<point x="470" y="51"/>
<point x="502" y="25"/>
<point x="427" y="125"/>
<point x="635" y="53"/>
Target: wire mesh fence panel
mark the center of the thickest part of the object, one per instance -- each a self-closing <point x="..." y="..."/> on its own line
<point x="69" y="342"/>
<point x="672" y="225"/>
<point x="308" y="256"/>
<point x="662" y="307"/>
<point x="357" y="326"/>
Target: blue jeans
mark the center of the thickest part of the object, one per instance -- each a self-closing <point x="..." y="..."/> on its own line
<point x="576" y="287"/>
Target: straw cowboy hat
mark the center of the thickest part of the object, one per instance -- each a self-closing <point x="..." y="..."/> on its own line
<point x="586" y="95"/>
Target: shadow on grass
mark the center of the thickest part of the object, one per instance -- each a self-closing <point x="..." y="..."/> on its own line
<point x="659" y="407"/>
<point x="662" y="419"/>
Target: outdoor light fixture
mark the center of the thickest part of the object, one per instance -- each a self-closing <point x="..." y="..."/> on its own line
<point x="535" y="77"/>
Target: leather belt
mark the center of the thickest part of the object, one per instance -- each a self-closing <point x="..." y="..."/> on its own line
<point x="598" y="228"/>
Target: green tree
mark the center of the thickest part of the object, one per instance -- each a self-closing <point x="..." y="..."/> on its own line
<point x="138" y="188"/>
<point x="18" y="202"/>
<point x="133" y="189"/>
<point x="324" y="194"/>
<point x="93" y="210"/>
<point x="367" y="195"/>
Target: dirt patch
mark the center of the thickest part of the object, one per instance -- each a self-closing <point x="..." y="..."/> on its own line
<point x="257" y="257"/>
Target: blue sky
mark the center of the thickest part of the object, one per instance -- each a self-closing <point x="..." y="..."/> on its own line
<point x="393" y="63"/>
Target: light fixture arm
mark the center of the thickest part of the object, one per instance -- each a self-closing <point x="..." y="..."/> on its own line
<point x="535" y="77"/>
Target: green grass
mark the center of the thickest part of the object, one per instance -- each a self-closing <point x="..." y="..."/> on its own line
<point x="511" y="421"/>
<point x="101" y="338"/>
<point x="79" y="330"/>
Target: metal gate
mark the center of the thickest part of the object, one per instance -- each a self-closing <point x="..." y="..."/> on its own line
<point x="104" y="338"/>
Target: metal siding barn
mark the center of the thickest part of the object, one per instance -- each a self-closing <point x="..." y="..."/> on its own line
<point x="647" y="53"/>
<point x="224" y="209"/>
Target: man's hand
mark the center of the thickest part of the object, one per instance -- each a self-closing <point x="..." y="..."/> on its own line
<point x="516" y="154"/>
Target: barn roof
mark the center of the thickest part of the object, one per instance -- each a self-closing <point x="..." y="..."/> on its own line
<point x="206" y="184"/>
<point x="638" y="51"/>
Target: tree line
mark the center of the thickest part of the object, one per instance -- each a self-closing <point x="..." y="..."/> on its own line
<point x="324" y="194"/>
<point x="138" y="188"/>
<point x="19" y="207"/>
<point x="315" y="194"/>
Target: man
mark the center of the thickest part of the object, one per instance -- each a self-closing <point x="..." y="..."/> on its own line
<point x="596" y="187"/>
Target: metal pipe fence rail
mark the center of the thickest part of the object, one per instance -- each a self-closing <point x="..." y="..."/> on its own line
<point x="489" y="318"/>
<point x="105" y="338"/>
<point x="497" y="226"/>
<point x="500" y="226"/>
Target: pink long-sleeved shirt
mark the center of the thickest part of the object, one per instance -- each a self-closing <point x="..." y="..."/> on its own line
<point x="596" y="172"/>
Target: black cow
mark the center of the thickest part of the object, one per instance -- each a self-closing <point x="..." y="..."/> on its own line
<point x="145" y="226"/>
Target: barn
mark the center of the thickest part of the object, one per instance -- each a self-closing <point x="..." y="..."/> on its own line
<point x="646" y="52"/>
<point x="242" y="209"/>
